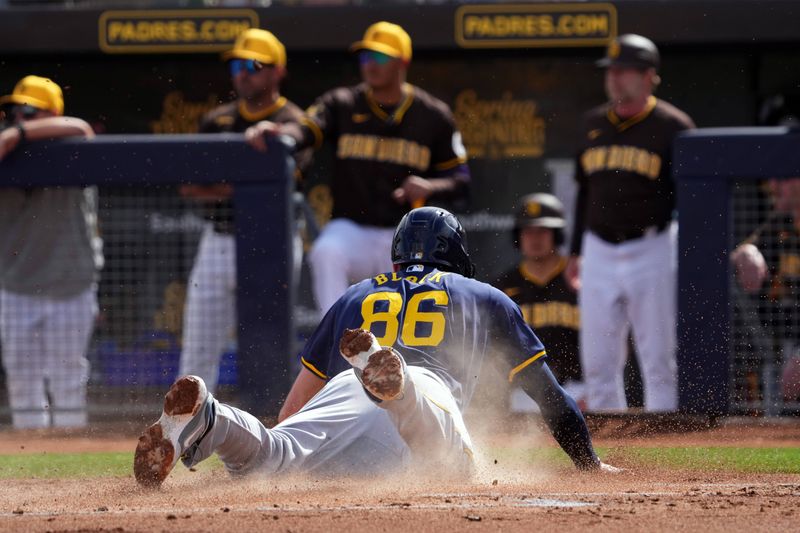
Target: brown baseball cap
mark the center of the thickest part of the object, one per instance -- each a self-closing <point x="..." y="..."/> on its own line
<point x="633" y="51"/>
<point x="540" y="210"/>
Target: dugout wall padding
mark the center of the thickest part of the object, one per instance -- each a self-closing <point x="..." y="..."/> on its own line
<point x="262" y="188"/>
<point x="706" y="163"/>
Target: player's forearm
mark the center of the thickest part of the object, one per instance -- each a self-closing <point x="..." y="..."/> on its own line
<point x="561" y="414"/>
<point x="305" y="134"/>
<point x="450" y="187"/>
<point x="305" y="386"/>
<point x="56" y="127"/>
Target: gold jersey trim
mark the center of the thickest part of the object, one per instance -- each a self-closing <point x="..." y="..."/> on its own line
<point x="251" y="116"/>
<point x="450" y="163"/>
<point x="312" y="368"/>
<point x="519" y="368"/>
<point x="315" y="130"/>
<point x="397" y="116"/>
<point x="623" y="125"/>
<point x="541" y="282"/>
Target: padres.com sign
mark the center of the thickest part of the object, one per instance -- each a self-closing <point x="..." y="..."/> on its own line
<point x="529" y="25"/>
<point x="198" y="30"/>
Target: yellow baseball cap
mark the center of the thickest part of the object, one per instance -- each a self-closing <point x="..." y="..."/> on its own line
<point x="260" y="45"/>
<point x="386" y="38"/>
<point x="42" y="93"/>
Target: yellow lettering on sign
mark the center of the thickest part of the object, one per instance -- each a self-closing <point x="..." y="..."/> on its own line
<point x="173" y="30"/>
<point x="531" y="26"/>
<point x="500" y="128"/>
<point x="179" y="115"/>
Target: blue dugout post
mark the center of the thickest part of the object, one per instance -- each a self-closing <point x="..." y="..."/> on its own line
<point x="706" y="163"/>
<point x="262" y="183"/>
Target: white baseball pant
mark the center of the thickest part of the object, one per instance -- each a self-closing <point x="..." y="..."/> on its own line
<point x="340" y="431"/>
<point x="346" y="252"/>
<point x="44" y="344"/>
<point x="209" y="317"/>
<point x="631" y="284"/>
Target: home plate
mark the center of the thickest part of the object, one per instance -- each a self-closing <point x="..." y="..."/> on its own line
<point x="547" y="502"/>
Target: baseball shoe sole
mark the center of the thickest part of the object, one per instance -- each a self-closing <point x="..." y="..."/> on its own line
<point x="187" y="417"/>
<point x="379" y="368"/>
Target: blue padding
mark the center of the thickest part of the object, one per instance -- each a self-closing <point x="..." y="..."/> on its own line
<point x="262" y="185"/>
<point x="706" y="163"/>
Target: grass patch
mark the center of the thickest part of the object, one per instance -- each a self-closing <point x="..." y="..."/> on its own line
<point x="731" y="459"/>
<point x="752" y="460"/>
<point x="76" y="465"/>
<point x="65" y="465"/>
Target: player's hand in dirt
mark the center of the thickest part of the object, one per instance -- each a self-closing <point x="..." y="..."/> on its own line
<point x="599" y="466"/>
<point x="257" y="134"/>
<point x="608" y="469"/>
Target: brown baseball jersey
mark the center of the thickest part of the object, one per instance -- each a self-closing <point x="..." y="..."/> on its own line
<point x="550" y="307"/>
<point x="234" y="117"/>
<point x="377" y="147"/>
<point x="623" y="172"/>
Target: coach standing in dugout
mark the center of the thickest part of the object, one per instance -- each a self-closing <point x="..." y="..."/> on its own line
<point x="396" y="147"/>
<point x="50" y="254"/>
<point x="257" y="65"/>
<point x="625" y="241"/>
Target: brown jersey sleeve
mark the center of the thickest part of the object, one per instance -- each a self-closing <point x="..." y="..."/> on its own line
<point x="448" y="153"/>
<point x="319" y="121"/>
<point x="291" y="114"/>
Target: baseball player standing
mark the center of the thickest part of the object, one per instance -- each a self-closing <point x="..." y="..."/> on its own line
<point x="381" y="407"/>
<point x="625" y="241"/>
<point x="50" y="254"/>
<point x="537" y="284"/>
<point x="257" y="64"/>
<point x="396" y="147"/>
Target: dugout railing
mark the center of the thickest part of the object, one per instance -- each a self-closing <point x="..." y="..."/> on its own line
<point x="729" y="358"/>
<point x="138" y="176"/>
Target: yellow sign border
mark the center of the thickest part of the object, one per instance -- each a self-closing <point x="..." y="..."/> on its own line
<point x="464" y="10"/>
<point x="168" y="48"/>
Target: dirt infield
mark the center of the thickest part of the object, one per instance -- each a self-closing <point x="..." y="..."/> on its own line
<point x="500" y="498"/>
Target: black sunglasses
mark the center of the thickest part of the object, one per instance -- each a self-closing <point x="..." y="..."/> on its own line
<point x="25" y="111"/>
<point x="251" y="66"/>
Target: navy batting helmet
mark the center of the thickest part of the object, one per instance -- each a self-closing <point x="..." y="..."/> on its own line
<point x="434" y="236"/>
<point x="541" y="210"/>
